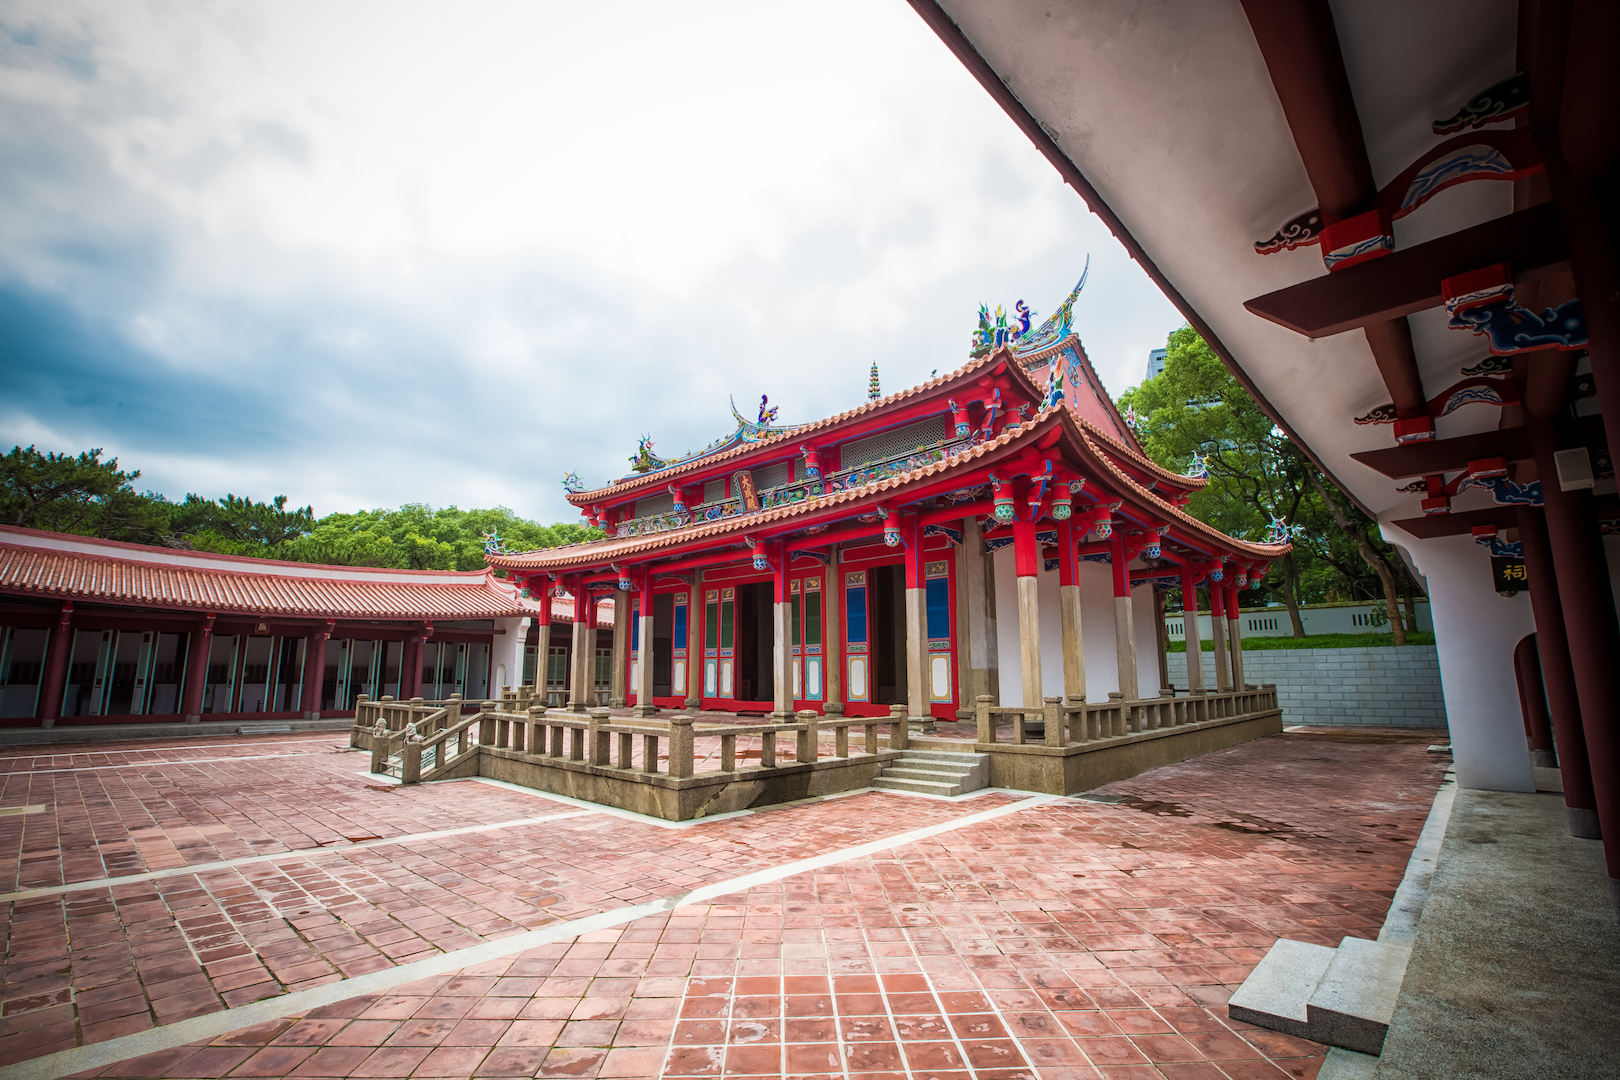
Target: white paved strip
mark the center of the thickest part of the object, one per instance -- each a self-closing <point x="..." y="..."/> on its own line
<point x="279" y="856"/>
<point x="4" y="774"/>
<point x="159" y="749"/>
<point x="213" y="1025"/>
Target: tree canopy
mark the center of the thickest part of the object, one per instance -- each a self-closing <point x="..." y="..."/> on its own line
<point x="1195" y="413"/>
<point x="84" y="495"/>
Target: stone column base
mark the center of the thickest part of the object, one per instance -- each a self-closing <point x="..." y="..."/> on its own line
<point x="617" y="702"/>
<point x="194" y="719"/>
<point x="48" y="722"/>
<point x="1546" y="759"/>
<point x="921" y="723"/>
<point x="644" y="710"/>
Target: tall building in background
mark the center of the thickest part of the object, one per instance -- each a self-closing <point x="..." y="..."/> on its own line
<point x="1155" y="364"/>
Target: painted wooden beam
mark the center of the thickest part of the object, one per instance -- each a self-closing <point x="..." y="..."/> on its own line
<point x="1405" y="281"/>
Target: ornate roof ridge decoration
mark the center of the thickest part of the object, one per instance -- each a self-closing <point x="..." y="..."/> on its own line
<point x="1038" y="428"/>
<point x="626" y="484"/>
<point x="1135" y="492"/>
<point x="747" y="432"/>
<point x="1056" y="328"/>
<point x="1181" y="480"/>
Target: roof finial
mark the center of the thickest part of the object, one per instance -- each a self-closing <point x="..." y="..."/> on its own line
<point x="873" y="392"/>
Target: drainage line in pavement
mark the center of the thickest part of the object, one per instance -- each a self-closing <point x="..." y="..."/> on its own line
<point x="213" y="1025"/>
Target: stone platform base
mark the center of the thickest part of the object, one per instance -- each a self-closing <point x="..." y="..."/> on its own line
<point x="97" y="733"/>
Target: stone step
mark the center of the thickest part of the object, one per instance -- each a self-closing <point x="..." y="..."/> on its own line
<point x="904" y="771"/>
<point x="935" y="772"/>
<point x="947" y="757"/>
<point x="1355" y="1001"/>
<point x="264" y="729"/>
<point x="1276" y="993"/>
<point x="920" y="787"/>
<point x="1343" y="997"/>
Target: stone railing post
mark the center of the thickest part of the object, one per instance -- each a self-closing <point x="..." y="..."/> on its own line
<point x="452" y="711"/>
<point x="809" y="738"/>
<point x="411" y="755"/>
<point x="598" y="742"/>
<point x="899" y="728"/>
<point x="1052" y="717"/>
<point x="379" y="751"/>
<point x="987" y="723"/>
<point x="680" y="746"/>
<point x="486" y="725"/>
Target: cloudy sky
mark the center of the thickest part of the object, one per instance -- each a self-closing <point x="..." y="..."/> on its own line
<point x="370" y="253"/>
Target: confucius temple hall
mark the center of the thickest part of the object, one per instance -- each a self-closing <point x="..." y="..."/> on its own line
<point x="996" y="531"/>
<point x="96" y="634"/>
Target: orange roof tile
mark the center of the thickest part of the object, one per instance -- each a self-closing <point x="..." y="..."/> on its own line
<point x="87" y="568"/>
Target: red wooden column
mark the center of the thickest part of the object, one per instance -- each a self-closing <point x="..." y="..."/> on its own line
<point x="1026" y="563"/>
<point x="919" y="701"/>
<point x="411" y="684"/>
<point x="1533" y="702"/>
<point x="56" y="661"/>
<point x="1234" y="628"/>
<point x="781" y="634"/>
<point x="1124" y="617"/>
<point x="1552" y="649"/>
<point x="1074" y="645"/>
<point x="315" y="670"/>
<point x="542" y="637"/>
<point x="197" y="670"/>
<point x="1217" y="630"/>
<point x="1189" y="622"/>
<point x="583" y="651"/>
<point x="644" y="653"/>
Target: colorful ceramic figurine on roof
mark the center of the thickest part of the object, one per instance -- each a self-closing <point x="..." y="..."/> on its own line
<point x="832" y="566"/>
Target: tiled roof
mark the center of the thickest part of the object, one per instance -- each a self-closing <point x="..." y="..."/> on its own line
<point x="1084" y="434"/>
<point x="84" y="568"/>
<point x="657" y="479"/>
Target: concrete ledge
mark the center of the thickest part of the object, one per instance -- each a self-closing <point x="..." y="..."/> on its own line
<point x="1069" y="770"/>
<point x="662" y="796"/>
<point x="83" y="733"/>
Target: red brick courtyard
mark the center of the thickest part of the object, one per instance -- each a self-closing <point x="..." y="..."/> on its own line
<point x="261" y="907"/>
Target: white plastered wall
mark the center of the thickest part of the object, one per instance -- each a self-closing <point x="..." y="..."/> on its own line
<point x="506" y="656"/>
<point x="1096" y="625"/>
<point x="1475" y="632"/>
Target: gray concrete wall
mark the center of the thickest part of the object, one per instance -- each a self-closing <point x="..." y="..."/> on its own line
<point x="1381" y="687"/>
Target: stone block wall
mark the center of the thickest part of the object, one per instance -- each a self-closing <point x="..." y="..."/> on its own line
<point x="1378" y="687"/>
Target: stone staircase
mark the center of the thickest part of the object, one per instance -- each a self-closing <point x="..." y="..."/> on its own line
<point x="1344" y="997"/>
<point x="935" y="772"/>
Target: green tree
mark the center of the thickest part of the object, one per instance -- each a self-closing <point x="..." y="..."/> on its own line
<point x="1196" y="412"/>
<point x="78" y="494"/>
<point x="239" y="526"/>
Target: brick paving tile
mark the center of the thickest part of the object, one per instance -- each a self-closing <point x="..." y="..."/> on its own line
<point x="1090" y="937"/>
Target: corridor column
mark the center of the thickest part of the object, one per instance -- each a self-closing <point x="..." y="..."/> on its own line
<point x="1189" y="624"/>
<point x="976" y="619"/>
<point x="1234" y="628"/>
<point x="315" y="670"/>
<point x="1218" y="630"/>
<point x="1124" y="617"/>
<point x="579" y="667"/>
<point x="919" y="708"/>
<point x="197" y="670"/>
<point x="1533" y="703"/>
<point x="1074" y="645"/>
<point x="1026" y="562"/>
<point x="1558" y="677"/>
<point x="694" y="642"/>
<point x="832" y="621"/>
<point x="56" y="661"/>
<point x="542" y="644"/>
<point x="618" y="696"/>
<point x="781" y="635"/>
<point x="644" y="646"/>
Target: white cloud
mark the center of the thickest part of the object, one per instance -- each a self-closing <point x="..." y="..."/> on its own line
<point x="371" y="253"/>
